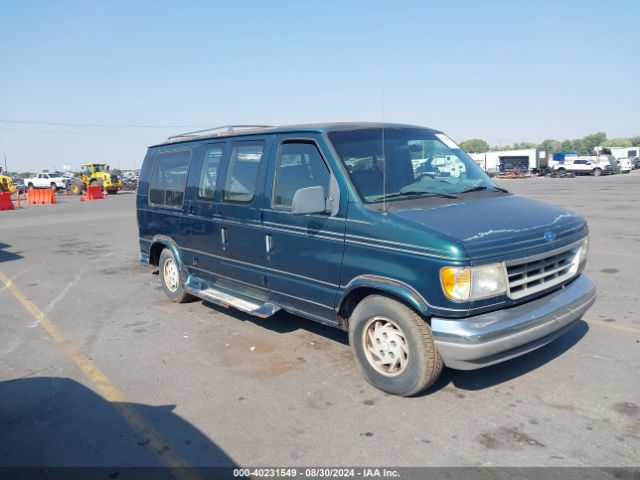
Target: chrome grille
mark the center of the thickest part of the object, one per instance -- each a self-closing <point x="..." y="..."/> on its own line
<point x="534" y="274"/>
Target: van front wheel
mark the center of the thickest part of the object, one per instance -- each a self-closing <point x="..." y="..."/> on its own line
<point x="393" y="346"/>
<point x="171" y="278"/>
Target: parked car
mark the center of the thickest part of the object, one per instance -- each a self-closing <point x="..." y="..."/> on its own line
<point x="577" y="167"/>
<point x="19" y="183"/>
<point x="333" y="223"/>
<point x="609" y="161"/>
<point x="130" y="183"/>
<point x="47" y="180"/>
<point x="586" y="165"/>
<point x="626" y="165"/>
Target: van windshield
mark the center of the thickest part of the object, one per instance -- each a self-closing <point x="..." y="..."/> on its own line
<point x="416" y="162"/>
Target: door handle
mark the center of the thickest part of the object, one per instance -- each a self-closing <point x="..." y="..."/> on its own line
<point x="223" y="235"/>
<point x="267" y="243"/>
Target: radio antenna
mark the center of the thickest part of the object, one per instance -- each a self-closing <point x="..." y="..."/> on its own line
<point x="384" y="163"/>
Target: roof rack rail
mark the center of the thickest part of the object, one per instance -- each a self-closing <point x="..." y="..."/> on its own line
<point x="221" y="129"/>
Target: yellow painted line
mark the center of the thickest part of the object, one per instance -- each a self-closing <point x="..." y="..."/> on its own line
<point x="614" y="326"/>
<point x="145" y="431"/>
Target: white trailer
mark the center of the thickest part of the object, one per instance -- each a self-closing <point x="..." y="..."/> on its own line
<point x="502" y="161"/>
<point x="624" y="152"/>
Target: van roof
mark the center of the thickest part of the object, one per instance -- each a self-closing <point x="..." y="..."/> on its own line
<point x="242" y="130"/>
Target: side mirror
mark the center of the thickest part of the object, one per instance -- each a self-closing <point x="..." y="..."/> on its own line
<point x="308" y="200"/>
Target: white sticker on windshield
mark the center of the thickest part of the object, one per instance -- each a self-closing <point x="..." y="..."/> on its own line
<point x="446" y="140"/>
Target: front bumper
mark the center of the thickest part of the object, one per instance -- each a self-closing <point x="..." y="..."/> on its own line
<point x="490" y="338"/>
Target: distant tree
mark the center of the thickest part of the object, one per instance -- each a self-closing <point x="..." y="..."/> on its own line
<point x="550" y="144"/>
<point x="617" y="142"/>
<point x="588" y="143"/>
<point x="567" y="146"/>
<point x="497" y="148"/>
<point x="585" y="144"/>
<point x="524" y="145"/>
<point x="475" y="145"/>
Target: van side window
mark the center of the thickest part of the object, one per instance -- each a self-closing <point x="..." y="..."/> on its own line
<point x="209" y="173"/>
<point x="240" y="185"/>
<point x="299" y="165"/>
<point x="169" y="178"/>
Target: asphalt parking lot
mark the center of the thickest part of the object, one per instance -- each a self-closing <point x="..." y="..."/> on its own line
<point x="84" y="329"/>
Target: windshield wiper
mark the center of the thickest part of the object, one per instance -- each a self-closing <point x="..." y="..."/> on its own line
<point x="416" y="192"/>
<point x="484" y="187"/>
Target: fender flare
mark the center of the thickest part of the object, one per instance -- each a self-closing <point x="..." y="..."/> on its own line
<point x="391" y="286"/>
<point x="168" y="242"/>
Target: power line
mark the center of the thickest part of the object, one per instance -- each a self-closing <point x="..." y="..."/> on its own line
<point x="89" y="134"/>
<point x="96" y="125"/>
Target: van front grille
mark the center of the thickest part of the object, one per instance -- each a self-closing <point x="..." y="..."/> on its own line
<point x="529" y="276"/>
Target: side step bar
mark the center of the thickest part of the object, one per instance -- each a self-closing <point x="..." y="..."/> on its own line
<point x="226" y="300"/>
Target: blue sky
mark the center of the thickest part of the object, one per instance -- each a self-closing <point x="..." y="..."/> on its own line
<point x="503" y="71"/>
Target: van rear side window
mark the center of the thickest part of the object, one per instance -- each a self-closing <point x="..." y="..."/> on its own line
<point x="241" y="179"/>
<point x="169" y="178"/>
<point x="209" y="172"/>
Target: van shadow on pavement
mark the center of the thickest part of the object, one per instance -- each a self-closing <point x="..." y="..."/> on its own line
<point x="283" y="322"/>
<point x="6" y="256"/>
<point x="57" y="422"/>
<point x="503" y="372"/>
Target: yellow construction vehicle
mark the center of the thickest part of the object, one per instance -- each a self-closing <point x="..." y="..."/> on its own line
<point x="6" y="183"/>
<point x="98" y="174"/>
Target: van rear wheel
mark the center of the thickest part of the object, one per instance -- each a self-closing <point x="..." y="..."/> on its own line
<point x="393" y="346"/>
<point x="170" y="277"/>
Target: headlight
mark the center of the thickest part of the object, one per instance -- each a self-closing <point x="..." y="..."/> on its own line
<point x="584" y="250"/>
<point x="471" y="283"/>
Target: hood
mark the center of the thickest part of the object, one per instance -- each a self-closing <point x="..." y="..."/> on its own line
<point x="500" y="227"/>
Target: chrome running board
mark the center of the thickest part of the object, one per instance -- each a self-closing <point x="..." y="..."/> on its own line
<point x="226" y="300"/>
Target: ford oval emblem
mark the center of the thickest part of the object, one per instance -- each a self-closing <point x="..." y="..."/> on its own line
<point x="549" y="236"/>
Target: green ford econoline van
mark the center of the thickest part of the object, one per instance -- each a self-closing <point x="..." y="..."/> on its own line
<point x="390" y="232"/>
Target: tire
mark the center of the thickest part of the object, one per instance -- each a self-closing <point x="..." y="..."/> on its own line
<point x="597" y="172"/>
<point x="170" y="279"/>
<point x="29" y="185"/>
<point x="377" y="316"/>
<point x="112" y="191"/>
<point x="53" y="186"/>
<point x="76" y="189"/>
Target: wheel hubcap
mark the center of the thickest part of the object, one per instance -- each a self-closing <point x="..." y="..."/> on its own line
<point x="385" y="346"/>
<point x="171" y="275"/>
